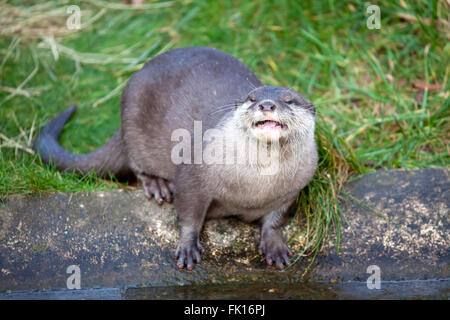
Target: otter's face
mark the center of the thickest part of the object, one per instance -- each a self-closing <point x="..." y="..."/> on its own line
<point x="274" y="113"/>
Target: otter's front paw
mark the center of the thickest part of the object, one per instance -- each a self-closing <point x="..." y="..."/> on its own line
<point x="187" y="253"/>
<point x="275" y="250"/>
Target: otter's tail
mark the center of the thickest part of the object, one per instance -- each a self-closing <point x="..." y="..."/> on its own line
<point x="109" y="158"/>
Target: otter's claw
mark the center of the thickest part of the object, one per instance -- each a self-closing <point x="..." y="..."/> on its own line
<point x="275" y="251"/>
<point x="188" y="253"/>
<point x="158" y="188"/>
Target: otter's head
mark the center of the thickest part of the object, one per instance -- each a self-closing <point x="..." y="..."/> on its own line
<point x="275" y="113"/>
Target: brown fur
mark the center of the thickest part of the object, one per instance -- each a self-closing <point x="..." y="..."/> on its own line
<point x="171" y="92"/>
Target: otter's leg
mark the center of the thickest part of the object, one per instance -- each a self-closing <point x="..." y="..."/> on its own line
<point x="272" y="245"/>
<point x="158" y="188"/>
<point x="191" y="215"/>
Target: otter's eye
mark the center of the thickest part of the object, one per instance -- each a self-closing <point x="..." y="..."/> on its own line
<point x="288" y="100"/>
<point x="252" y="98"/>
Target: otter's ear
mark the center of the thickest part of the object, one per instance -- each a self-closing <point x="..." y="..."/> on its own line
<point x="309" y="107"/>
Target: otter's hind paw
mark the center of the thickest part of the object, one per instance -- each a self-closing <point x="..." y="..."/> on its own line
<point x="158" y="188"/>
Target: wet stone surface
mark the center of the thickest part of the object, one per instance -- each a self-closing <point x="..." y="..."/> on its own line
<point x="124" y="247"/>
<point x="405" y="231"/>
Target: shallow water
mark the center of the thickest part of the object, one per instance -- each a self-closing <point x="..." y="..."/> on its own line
<point x="419" y="289"/>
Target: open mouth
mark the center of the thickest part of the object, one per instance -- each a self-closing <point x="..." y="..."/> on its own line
<point x="269" y="125"/>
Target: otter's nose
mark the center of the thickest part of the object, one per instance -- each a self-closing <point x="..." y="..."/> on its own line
<point x="267" y="106"/>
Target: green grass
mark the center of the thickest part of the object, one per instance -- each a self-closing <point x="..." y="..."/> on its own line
<point x="371" y="117"/>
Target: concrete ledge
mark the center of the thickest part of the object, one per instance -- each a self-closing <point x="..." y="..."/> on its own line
<point x="120" y="240"/>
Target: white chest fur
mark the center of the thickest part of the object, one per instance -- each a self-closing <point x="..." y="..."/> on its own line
<point x="255" y="181"/>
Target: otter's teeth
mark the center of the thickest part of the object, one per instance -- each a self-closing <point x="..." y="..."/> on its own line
<point x="268" y="124"/>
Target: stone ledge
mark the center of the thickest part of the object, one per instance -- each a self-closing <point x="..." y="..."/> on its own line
<point x="120" y="239"/>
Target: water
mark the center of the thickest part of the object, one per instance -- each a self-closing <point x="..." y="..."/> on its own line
<point x="418" y="289"/>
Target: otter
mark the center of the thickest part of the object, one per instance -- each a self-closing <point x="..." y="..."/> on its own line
<point x="192" y="91"/>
